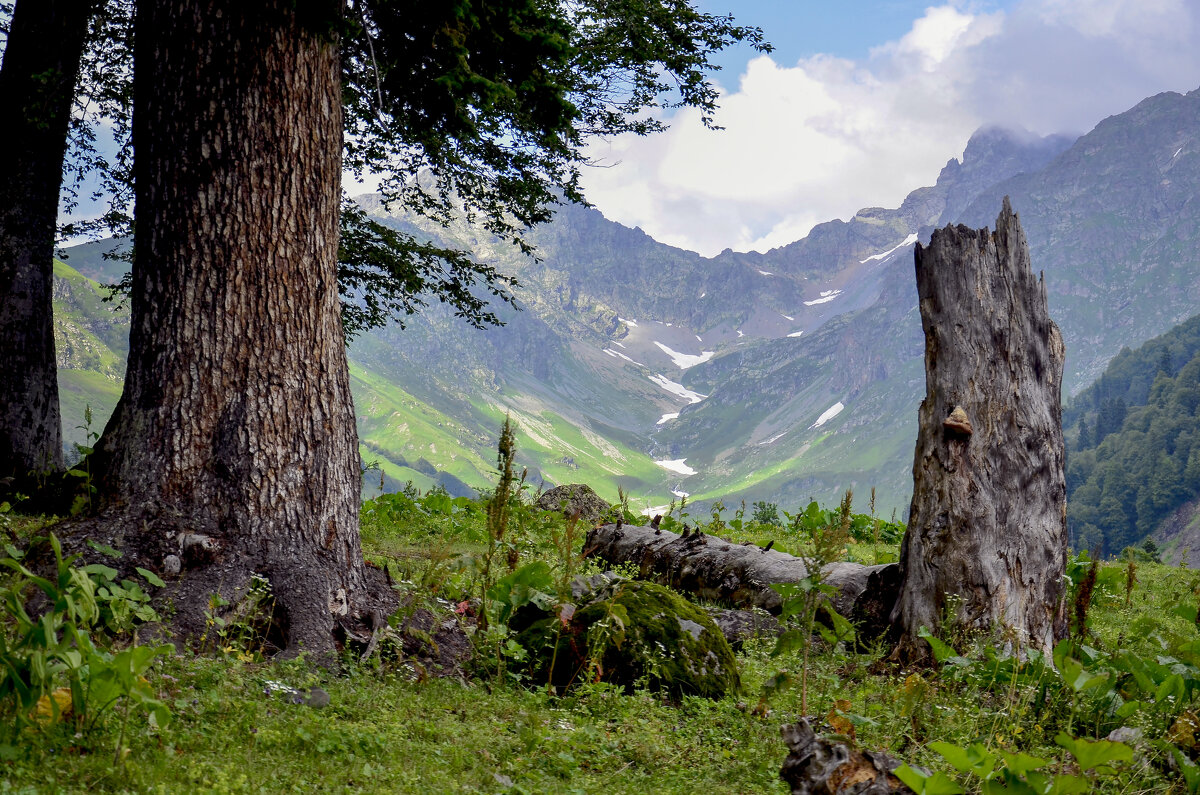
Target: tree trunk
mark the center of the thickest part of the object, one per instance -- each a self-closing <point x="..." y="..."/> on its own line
<point x="37" y="87"/>
<point x="233" y="450"/>
<point x="740" y="575"/>
<point x="986" y="545"/>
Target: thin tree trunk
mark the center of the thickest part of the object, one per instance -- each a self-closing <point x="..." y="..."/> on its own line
<point x="37" y="87"/>
<point x="986" y="544"/>
<point x="233" y="450"/>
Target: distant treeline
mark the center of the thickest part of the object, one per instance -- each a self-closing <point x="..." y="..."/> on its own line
<point x="1134" y="442"/>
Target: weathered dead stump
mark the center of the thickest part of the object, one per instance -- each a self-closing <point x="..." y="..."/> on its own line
<point x="821" y="766"/>
<point x="987" y="537"/>
<point x="740" y="575"/>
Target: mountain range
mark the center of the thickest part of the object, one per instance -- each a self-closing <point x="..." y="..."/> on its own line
<point x="778" y="376"/>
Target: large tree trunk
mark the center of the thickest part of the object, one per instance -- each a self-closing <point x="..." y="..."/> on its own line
<point x="986" y="545"/>
<point x="37" y="86"/>
<point x="233" y="450"/>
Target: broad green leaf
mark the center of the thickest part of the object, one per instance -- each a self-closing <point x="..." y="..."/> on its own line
<point x="1091" y="754"/>
<point x="941" y="651"/>
<point x="1078" y="678"/>
<point x="913" y="779"/>
<point x="789" y="642"/>
<point x="1172" y="688"/>
<point x="974" y="759"/>
<point x="1186" y="612"/>
<point x="1191" y="773"/>
<point x="107" y="572"/>
<point x="842" y="628"/>
<point x="151" y="577"/>
<point x="1021" y="763"/>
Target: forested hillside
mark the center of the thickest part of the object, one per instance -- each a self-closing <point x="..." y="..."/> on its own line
<point x="1135" y="459"/>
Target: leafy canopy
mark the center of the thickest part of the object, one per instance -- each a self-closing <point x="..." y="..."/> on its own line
<point x="466" y="109"/>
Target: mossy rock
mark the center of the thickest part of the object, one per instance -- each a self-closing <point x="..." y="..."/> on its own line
<point x="575" y="498"/>
<point x="648" y="634"/>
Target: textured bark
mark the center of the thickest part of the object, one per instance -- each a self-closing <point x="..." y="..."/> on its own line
<point x="233" y="449"/>
<point x="37" y="85"/>
<point x="740" y="575"/>
<point x="819" y="766"/>
<point x="987" y="533"/>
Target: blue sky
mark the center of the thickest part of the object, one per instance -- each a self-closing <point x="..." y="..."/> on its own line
<point x="803" y="28"/>
<point x="862" y="102"/>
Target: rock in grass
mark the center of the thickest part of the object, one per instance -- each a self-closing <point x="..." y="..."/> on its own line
<point x="575" y="498"/>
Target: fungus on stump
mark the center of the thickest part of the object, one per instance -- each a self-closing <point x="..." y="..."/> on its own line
<point x="986" y="545"/>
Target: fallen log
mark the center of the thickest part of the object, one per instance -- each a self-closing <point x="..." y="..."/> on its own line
<point x="739" y="575"/>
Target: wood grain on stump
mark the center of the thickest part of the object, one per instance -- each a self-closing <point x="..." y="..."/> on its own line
<point x="986" y="545"/>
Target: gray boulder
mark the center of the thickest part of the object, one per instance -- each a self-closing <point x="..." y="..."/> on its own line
<point x="575" y="498"/>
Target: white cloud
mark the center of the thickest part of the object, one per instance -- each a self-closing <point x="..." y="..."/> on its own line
<point x="822" y="138"/>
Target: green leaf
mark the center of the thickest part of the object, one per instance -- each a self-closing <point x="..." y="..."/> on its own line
<point x="937" y="783"/>
<point x="103" y="549"/>
<point x="912" y="778"/>
<point x="1076" y="677"/>
<point x="151" y="577"/>
<point x="1191" y="773"/>
<point x="790" y="641"/>
<point x="107" y="572"/>
<point x="1091" y="754"/>
<point x="1186" y="612"/>
<point x="842" y="628"/>
<point x="1021" y="763"/>
<point x="941" y="651"/>
<point x="975" y="759"/>
<point x="1171" y="691"/>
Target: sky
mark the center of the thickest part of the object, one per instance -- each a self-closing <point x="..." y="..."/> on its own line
<point x="862" y="102"/>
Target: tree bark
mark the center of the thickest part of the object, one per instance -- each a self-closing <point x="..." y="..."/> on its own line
<point x="740" y="575"/>
<point x="233" y="450"/>
<point x="986" y="545"/>
<point x="37" y="87"/>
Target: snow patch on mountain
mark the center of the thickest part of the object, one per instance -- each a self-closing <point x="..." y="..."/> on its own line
<point x="795" y="334"/>
<point x="677" y="466"/>
<point x="827" y="415"/>
<point x="908" y="241"/>
<point x="685" y="360"/>
<point x="673" y="415"/>
<point x="626" y="321"/>
<point x="826" y="297"/>
<point x="618" y="354"/>
<point x="679" y="390"/>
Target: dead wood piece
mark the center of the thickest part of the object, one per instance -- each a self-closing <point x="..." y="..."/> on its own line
<point x="822" y="766"/>
<point x="738" y="626"/>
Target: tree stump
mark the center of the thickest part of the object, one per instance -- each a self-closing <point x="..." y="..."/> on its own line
<point x="986" y="545"/>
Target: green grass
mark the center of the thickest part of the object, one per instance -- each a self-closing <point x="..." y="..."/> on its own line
<point x="387" y="730"/>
